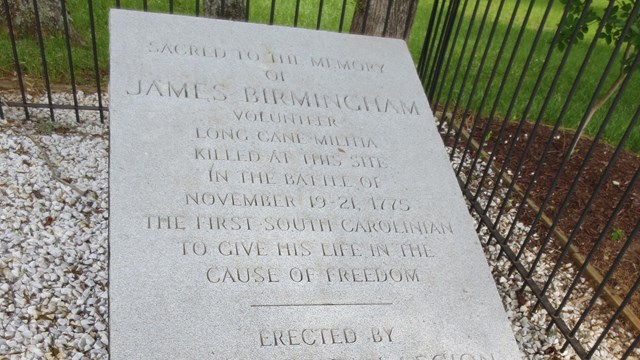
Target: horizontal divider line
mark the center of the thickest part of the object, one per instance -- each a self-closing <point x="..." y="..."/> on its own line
<point x="321" y="304"/>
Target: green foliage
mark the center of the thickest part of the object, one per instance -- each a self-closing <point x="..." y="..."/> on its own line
<point x="487" y="137"/>
<point x="612" y="21"/>
<point x="44" y="126"/>
<point x="612" y="31"/>
<point x="572" y="22"/>
<point x="617" y="234"/>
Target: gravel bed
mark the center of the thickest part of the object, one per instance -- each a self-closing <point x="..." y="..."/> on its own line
<point x="53" y="231"/>
<point x="54" y="253"/>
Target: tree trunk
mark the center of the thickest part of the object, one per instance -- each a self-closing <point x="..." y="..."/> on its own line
<point x="388" y="18"/>
<point x="224" y="9"/>
<point x="23" y="19"/>
<point x="598" y="104"/>
<point x="613" y="89"/>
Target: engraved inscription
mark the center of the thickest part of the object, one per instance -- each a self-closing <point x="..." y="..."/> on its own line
<point x="287" y="188"/>
<point x="308" y="337"/>
<point x="178" y="89"/>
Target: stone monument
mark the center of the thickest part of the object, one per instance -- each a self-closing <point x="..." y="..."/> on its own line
<point x="278" y="193"/>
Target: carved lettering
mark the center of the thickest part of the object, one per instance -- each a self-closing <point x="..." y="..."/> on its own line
<point x="233" y="223"/>
<point x="226" y="155"/>
<point x="166" y="222"/>
<point x="297" y="224"/>
<point x="338" y="181"/>
<point x="307" y="337"/>
<point x="371" y="275"/>
<point x="309" y="99"/>
<point x="294" y="249"/>
<point x="225" y="274"/>
<point x="346" y="64"/>
<point x="240" y="199"/>
<point x="381" y="335"/>
<point x="345" y="141"/>
<point x="221" y="134"/>
<point x="284" y="118"/>
<point x="178" y="90"/>
<point x="395" y="226"/>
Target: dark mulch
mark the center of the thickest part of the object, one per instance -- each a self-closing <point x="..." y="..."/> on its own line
<point x="605" y="200"/>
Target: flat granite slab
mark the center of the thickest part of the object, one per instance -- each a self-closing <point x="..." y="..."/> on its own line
<point x="279" y="193"/>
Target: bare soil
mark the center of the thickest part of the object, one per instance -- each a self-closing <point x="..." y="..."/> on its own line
<point x="605" y="198"/>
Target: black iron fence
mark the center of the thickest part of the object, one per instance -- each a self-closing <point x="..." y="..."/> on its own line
<point x="505" y="79"/>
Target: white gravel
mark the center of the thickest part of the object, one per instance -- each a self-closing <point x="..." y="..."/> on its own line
<point x="53" y="231"/>
<point x="53" y="263"/>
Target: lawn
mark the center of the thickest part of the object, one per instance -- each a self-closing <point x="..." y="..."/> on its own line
<point x="458" y="95"/>
<point x="528" y="94"/>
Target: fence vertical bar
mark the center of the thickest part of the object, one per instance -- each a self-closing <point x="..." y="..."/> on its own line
<point x="526" y="112"/>
<point x="431" y="48"/>
<point x="342" y="14"/>
<point x="296" y="14"/>
<point x="407" y="25"/>
<point x="615" y="317"/>
<point x="170" y="6"/>
<point x="246" y="10"/>
<point x="587" y="207"/>
<point x="145" y="5"/>
<point x="43" y="57"/>
<point x="222" y="8"/>
<point x="547" y="147"/>
<point x="197" y="8"/>
<point x="96" y="68"/>
<point x="273" y="12"/>
<point x="477" y="79"/>
<point x="70" y="58"/>
<point x="631" y="348"/>
<point x="603" y="177"/>
<point x="494" y="108"/>
<point x="575" y="139"/>
<point x="319" y="14"/>
<point x="426" y="45"/>
<point x="441" y="54"/>
<point x="466" y="72"/>
<point x="459" y="63"/>
<point x="16" y="60"/>
<point x="601" y="83"/>
<point x="366" y="16"/>
<point x="635" y="118"/>
<point x="528" y="282"/>
<point x="386" y="18"/>
<point x="605" y="279"/>
<point x="117" y="4"/>
<point x="520" y="127"/>
<point x="583" y="167"/>
<point x="511" y="107"/>
<point x="601" y="237"/>
<point x="485" y="98"/>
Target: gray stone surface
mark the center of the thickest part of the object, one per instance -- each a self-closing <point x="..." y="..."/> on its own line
<point x="279" y="193"/>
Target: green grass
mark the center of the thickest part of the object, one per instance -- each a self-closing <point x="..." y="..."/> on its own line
<point x="528" y="93"/>
<point x="58" y="65"/>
